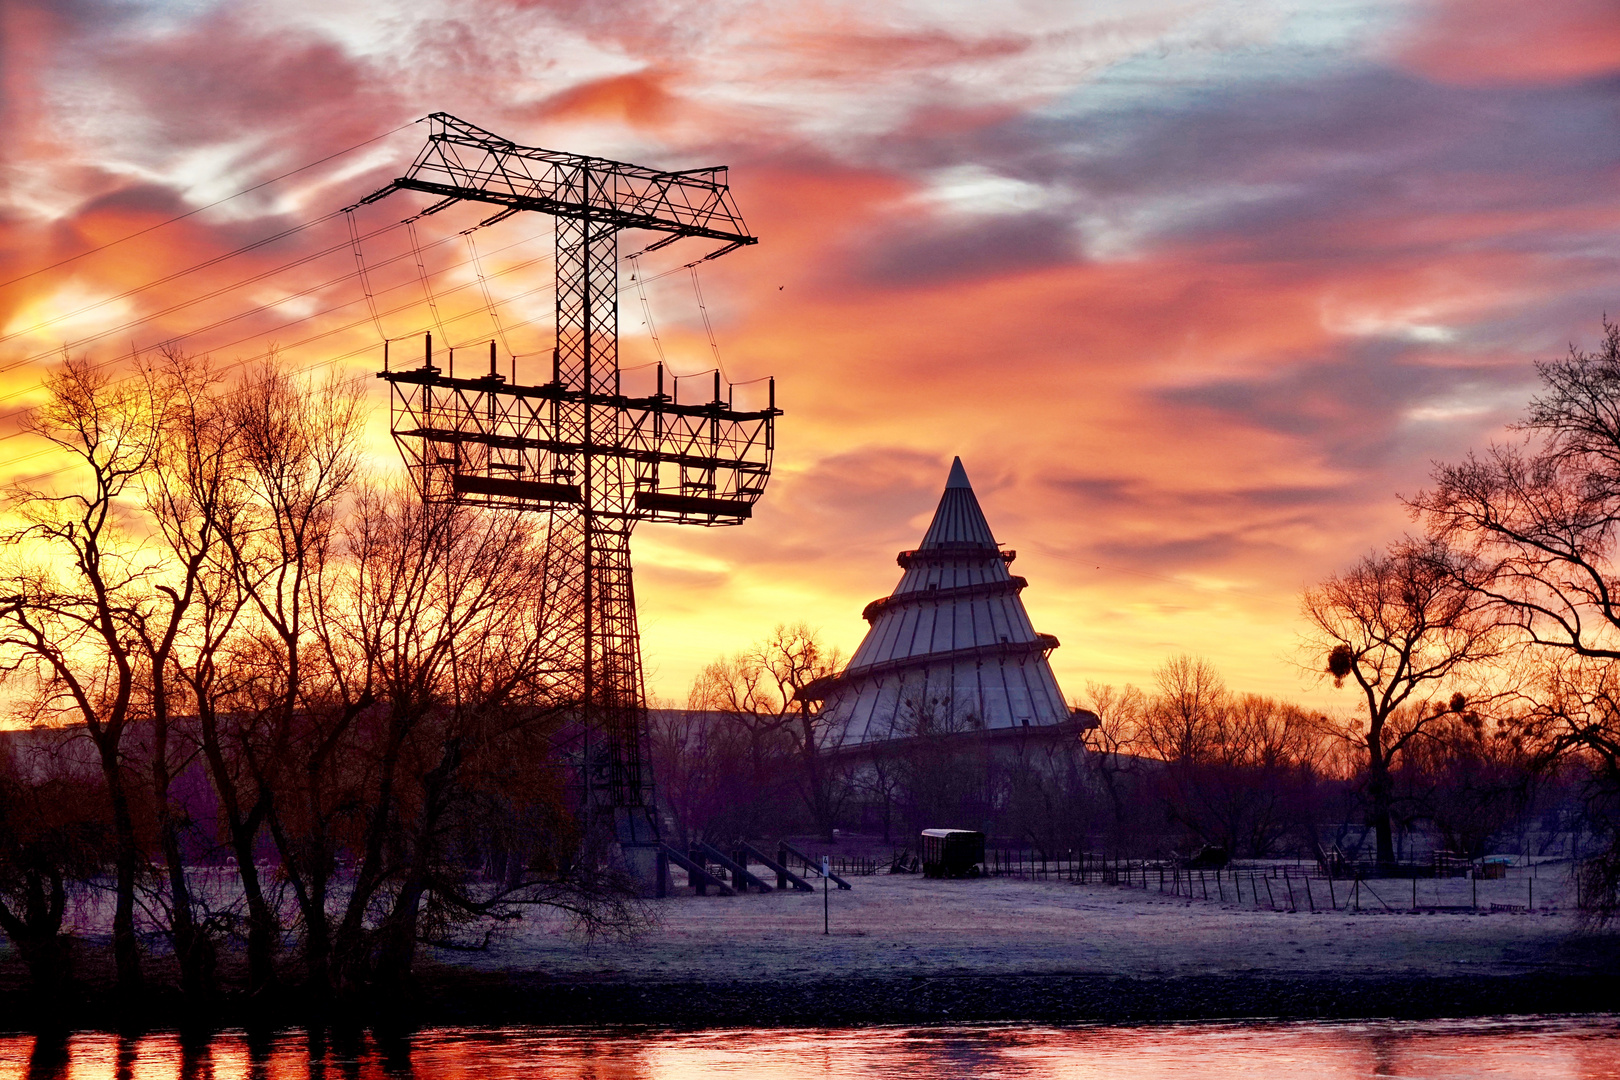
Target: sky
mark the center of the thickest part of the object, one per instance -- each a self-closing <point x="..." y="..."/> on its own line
<point x="1196" y="290"/>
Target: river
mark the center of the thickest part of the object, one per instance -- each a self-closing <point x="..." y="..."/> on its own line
<point x="1502" y="1049"/>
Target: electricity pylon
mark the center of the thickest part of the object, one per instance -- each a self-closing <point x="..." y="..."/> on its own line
<point x="575" y="446"/>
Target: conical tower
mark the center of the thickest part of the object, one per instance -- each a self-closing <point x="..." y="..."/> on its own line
<point x="953" y="638"/>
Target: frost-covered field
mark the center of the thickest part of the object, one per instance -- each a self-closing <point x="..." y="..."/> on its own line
<point x="906" y="924"/>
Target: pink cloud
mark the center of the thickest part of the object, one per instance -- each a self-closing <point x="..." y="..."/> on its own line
<point x="1472" y="42"/>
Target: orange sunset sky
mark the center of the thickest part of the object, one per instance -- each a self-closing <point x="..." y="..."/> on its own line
<point x="1194" y="289"/>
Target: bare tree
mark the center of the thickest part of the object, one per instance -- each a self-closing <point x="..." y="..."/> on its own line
<point x="1184" y="718"/>
<point x="438" y="616"/>
<point x="1254" y="784"/>
<point x="1539" y="521"/>
<point x="787" y="740"/>
<point x="741" y="687"/>
<point x="1573" y="727"/>
<point x="1112" y="748"/>
<point x="281" y="706"/>
<point x="945" y="772"/>
<point x="79" y="592"/>
<point x="795" y="657"/>
<point x="191" y="490"/>
<point x="1405" y="627"/>
<point x="701" y="760"/>
<point x="1470" y="777"/>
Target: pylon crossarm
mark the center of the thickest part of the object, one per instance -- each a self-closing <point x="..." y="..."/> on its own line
<point x="554" y="392"/>
<point x="485" y="441"/>
<point x="462" y="161"/>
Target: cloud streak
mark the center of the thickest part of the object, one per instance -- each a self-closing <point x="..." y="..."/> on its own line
<point x="1194" y="292"/>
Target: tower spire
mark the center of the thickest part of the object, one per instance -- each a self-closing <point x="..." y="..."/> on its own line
<point x="953" y="638"/>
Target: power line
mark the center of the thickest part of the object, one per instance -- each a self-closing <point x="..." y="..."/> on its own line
<point x="181" y="306"/>
<point x="330" y="361"/>
<point x="247" y="311"/>
<point x="209" y="206"/>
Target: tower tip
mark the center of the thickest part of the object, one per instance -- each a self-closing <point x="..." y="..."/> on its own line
<point x="958" y="477"/>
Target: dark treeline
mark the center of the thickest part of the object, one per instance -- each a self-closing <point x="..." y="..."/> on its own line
<point x="287" y="721"/>
<point x="1185" y="766"/>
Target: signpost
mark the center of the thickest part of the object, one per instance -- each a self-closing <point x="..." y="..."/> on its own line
<point x="826" y="905"/>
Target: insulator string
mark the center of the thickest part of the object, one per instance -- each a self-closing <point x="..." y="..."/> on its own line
<point x="483" y="283"/>
<point x="365" y="280"/>
<point x="646" y="308"/>
<point x="421" y="270"/>
<point x="707" y="325"/>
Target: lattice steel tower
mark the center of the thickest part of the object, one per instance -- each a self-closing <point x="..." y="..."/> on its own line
<point x="575" y="446"/>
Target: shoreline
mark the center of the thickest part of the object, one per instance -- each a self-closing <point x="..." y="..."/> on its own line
<point x="905" y="951"/>
<point x="445" y="998"/>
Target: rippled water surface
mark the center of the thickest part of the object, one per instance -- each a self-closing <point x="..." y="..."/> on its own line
<point x="1539" y="1049"/>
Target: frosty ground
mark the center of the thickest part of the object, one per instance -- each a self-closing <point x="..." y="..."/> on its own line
<point x="906" y="949"/>
<point x="907" y="925"/>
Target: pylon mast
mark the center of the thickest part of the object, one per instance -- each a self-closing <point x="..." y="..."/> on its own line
<point x="575" y="446"/>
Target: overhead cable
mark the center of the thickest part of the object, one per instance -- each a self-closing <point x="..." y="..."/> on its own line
<point x="360" y="265"/>
<point x="209" y="206"/>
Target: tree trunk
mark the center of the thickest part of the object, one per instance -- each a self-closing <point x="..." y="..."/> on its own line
<point x="820" y="798"/>
<point x="244" y="831"/>
<point x="262" y="924"/>
<point x="397" y="945"/>
<point x="1380" y="791"/>
<point x="318" y="941"/>
<point x="37" y="934"/>
<point x="309" y="885"/>
<point x="192" y="949"/>
<point x="126" y="948"/>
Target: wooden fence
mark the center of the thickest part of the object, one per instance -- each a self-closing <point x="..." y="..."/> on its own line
<point x="1275" y="887"/>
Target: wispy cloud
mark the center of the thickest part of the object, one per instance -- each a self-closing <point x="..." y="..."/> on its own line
<point x="1193" y="288"/>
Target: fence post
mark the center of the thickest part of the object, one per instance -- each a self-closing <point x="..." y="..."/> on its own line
<point x="1309" y="899"/>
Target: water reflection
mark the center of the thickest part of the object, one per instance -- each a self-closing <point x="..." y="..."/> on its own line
<point x="1585" y="1049"/>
